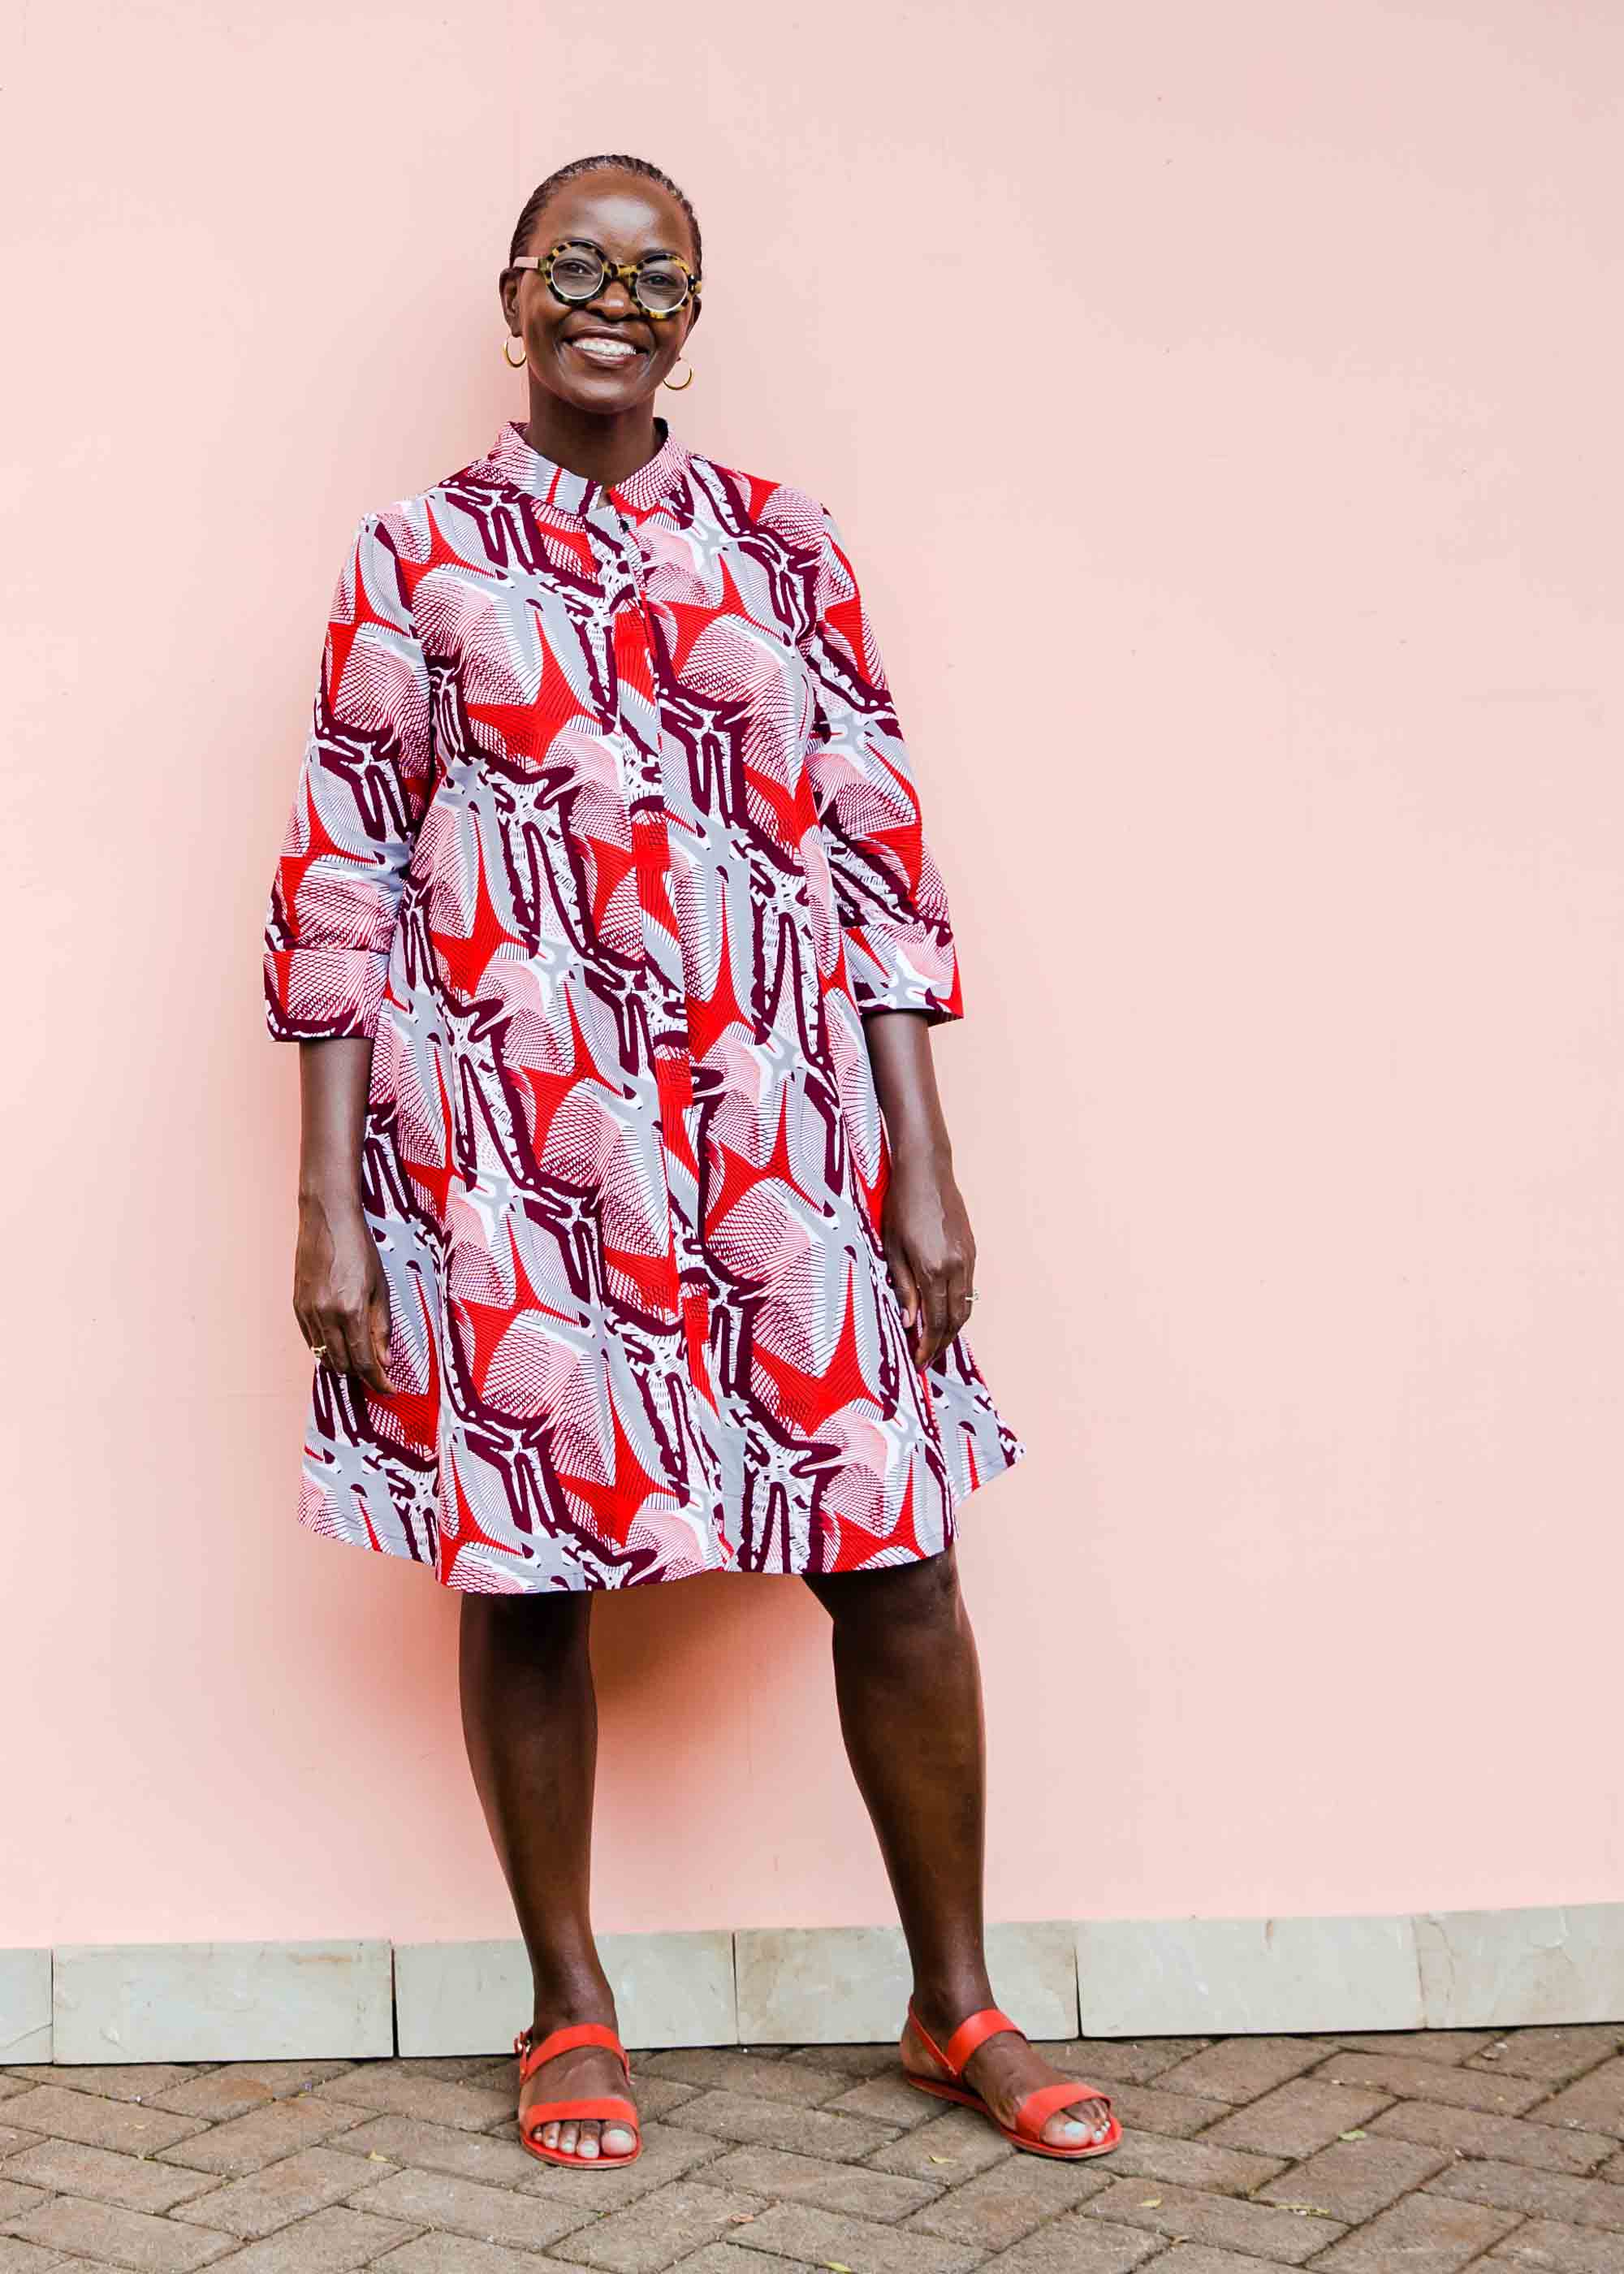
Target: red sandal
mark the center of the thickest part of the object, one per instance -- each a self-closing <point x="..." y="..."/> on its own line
<point x="1035" y="2108"/>
<point x="610" y="2107"/>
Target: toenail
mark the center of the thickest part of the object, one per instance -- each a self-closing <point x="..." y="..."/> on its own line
<point x="1074" y="2129"/>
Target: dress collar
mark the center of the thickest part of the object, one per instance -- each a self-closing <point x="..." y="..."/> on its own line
<point x="531" y="470"/>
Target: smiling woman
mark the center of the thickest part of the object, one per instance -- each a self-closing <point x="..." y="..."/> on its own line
<point x="629" y="1243"/>
<point x="608" y="302"/>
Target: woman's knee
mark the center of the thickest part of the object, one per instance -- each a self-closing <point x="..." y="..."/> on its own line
<point x="922" y="1597"/>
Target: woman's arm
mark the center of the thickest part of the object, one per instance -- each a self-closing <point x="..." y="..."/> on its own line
<point x="925" y="1227"/>
<point x="340" y="1295"/>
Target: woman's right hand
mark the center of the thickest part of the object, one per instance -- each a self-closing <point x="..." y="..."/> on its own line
<point x="341" y="1297"/>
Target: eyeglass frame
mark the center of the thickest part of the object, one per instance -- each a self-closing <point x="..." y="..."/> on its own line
<point x="624" y="272"/>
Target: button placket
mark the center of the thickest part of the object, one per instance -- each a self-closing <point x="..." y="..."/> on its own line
<point x="634" y="647"/>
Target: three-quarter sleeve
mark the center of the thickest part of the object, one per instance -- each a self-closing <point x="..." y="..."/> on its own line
<point x="363" y="786"/>
<point x="892" y="905"/>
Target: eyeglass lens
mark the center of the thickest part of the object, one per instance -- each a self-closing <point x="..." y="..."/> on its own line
<point x="579" y="270"/>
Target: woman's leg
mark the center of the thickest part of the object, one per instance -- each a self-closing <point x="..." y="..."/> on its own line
<point x="529" y="1717"/>
<point x="908" y="1685"/>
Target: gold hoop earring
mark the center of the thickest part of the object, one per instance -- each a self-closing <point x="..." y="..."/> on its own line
<point x="677" y="385"/>
<point x="508" y="360"/>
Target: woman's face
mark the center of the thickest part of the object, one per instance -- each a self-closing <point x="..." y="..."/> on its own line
<point x="629" y="218"/>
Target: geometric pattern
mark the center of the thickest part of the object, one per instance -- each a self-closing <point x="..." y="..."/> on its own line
<point x="607" y="835"/>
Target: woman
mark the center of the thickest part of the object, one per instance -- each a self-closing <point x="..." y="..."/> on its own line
<point x="605" y="918"/>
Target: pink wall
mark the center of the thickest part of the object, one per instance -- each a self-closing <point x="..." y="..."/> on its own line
<point x="1274" y="762"/>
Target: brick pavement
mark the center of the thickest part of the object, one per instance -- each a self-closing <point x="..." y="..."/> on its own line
<point x="1394" y="2154"/>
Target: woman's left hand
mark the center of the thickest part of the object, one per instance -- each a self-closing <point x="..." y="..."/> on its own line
<point x="930" y="1248"/>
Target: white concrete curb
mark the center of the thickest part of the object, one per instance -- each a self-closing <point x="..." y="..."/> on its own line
<point x="807" y="1985"/>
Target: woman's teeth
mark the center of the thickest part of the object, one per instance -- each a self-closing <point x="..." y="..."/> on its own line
<point x="604" y="350"/>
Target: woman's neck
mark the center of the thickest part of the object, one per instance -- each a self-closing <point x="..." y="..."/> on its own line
<point x="601" y="447"/>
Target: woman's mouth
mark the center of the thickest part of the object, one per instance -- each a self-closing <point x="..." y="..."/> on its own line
<point x="602" y="349"/>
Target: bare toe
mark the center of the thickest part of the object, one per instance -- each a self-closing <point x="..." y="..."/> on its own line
<point x="617" y="2141"/>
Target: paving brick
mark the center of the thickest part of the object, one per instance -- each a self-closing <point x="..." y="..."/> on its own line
<point x="767" y="2124"/>
<point x="889" y="2100"/>
<point x="1074" y="2245"/>
<point x="801" y="2083"/>
<point x="802" y="2231"/>
<point x="27" y="2257"/>
<point x="1445" y="2045"/>
<point x="1424" y="2234"/>
<point x="102" y="2233"/>
<point x="289" y="2189"/>
<point x="1126" y="2060"/>
<point x="435" y="2199"/>
<point x="1286" y="2238"/>
<point x="1190" y="2164"/>
<point x="122" y="2124"/>
<point x="1175" y="2115"/>
<point x="1243" y="2069"/>
<point x="123" y="2081"/>
<point x="1596" y="2102"/>
<point x="488" y="2156"/>
<point x="850" y="2061"/>
<point x="69" y="2167"/>
<point x="11" y="2140"/>
<point x="1556" y="2056"/>
<point x="1296" y="2118"/>
<point x="667" y="2226"/>
<point x="1536" y="2194"/>
<point x="1564" y="2249"/>
<point x="15" y="2199"/>
<point x="327" y="2242"/>
<point x="668" y="2153"/>
<point x="397" y="2091"/>
<point x="461" y="2068"/>
<point x="1192" y="2259"/>
<point x="780" y="2174"/>
<point x="1405" y="2076"/>
<point x="454" y="2253"/>
<point x="1506" y="2139"/>
<point x="1354" y="2178"/>
<point x="1006" y="2202"/>
<point x="247" y="2142"/>
<point x="1613" y="2169"/>
<point x="953" y="2146"/>
<point x="244" y="2085"/>
<point x="728" y="2258"/>
<point x="10" y="2083"/>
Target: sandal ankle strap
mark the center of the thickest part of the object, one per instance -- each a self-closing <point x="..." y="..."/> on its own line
<point x="559" y="2041"/>
<point x="974" y="2029"/>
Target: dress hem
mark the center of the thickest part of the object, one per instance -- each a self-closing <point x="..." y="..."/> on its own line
<point x="1015" y="1454"/>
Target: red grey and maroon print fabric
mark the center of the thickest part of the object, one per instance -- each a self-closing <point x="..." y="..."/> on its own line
<point x="607" y="833"/>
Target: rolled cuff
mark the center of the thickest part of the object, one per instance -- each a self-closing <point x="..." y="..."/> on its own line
<point x="323" y="994"/>
<point x="897" y="968"/>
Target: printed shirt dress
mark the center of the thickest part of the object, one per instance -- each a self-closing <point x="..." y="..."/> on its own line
<point x="605" y="832"/>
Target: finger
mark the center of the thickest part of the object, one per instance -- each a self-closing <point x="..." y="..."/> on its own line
<point x="372" y="1361"/>
<point x="333" y="1350"/>
<point x="907" y="1292"/>
<point x="935" y="1313"/>
<point x="954" y="1284"/>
